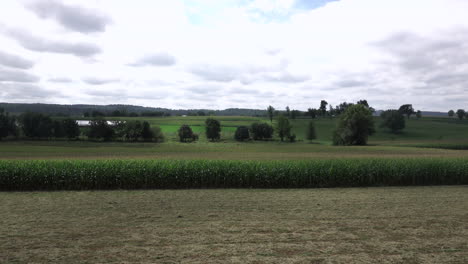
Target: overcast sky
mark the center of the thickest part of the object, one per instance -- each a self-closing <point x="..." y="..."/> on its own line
<point x="219" y="54"/>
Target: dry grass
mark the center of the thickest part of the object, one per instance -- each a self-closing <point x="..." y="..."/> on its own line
<point x="356" y="225"/>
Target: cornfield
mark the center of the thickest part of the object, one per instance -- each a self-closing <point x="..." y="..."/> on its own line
<point x="178" y="174"/>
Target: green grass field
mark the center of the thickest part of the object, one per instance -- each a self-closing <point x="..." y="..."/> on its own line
<point x="354" y="225"/>
<point x="428" y="137"/>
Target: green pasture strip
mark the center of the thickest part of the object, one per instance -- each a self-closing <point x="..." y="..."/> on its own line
<point x="182" y="174"/>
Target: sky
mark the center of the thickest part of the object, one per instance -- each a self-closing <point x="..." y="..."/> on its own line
<point x="218" y="54"/>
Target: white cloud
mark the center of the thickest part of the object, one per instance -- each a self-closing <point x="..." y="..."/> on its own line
<point x="246" y="54"/>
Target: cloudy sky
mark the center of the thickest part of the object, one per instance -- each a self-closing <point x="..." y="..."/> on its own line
<point x="219" y="54"/>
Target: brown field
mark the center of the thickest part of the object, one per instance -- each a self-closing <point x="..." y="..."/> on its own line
<point x="355" y="225"/>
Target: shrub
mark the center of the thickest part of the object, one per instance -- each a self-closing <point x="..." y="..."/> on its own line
<point x="261" y="131"/>
<point x="242" y="133"/>
<point x="354" y="126"/>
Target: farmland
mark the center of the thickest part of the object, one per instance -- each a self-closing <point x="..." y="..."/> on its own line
<point x="209" y="222"/>
<point x="354" y="225"/>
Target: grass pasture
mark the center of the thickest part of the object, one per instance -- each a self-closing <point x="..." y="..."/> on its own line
<point x="362" y="225"/>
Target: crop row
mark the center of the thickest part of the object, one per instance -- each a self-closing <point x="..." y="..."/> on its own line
<point x="177" y="174"/>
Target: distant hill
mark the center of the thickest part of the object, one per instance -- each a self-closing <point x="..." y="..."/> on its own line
<point x="80" y="109"/>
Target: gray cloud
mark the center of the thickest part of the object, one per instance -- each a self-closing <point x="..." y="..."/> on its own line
<point x="22" y="91"/>
<point x="60" y="80"/>
<point x="98" y="81"/>
<point x="75" y="18"/>
<point x="205" y="89"/>
<point x="15" y="61"/>
<point x="159" y="59"/>
<point x="7" y="75"/>
<point x="34" y="43"/>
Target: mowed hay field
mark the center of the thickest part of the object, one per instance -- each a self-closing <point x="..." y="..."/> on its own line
<point x="353" y="225"/>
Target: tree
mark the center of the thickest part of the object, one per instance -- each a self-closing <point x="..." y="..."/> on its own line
<point x="99" y="129"/>
<point x="461" y="113"/>
<point x="7" y="124"/>
<point x="283" y="127"/>
<point x="35" y="125"/>
<point x="311" y="134"/>
<point x="418" y="114"/>
<point x="270" y="111"/>
<point x="312" y="112"/>
<point x="288" y="111"/>
<point x="158" y="135"/>
<point x="132" y="130"/>
<point x="213" y="129"/>
<point x="323" y="108"/>
<point x="295" y="113"/>
<point x="261" y="131"/>
<point x="407" y="109"/>
<point x="185" y="133"/>
<point x="71" y="128"/>
<point x="59" y="131"/>
<point x="354" y="126"/>
<point x="242" y="133"/>
<point x="393" y="120"/>
<point x="451" y="113"/>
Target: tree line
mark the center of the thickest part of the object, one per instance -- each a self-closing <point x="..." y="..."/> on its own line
<point x="39" y="126"/>
<point x="460" y="114"/>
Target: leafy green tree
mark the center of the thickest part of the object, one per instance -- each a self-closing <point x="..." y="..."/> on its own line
<point x="213" y="129"/>
<point x="288" y="111"/>
<point x="393" y="120"/>
<point x="407" y="109"/>
<point x="99" y="129"/>
<point x="133" y="130"/>
<point x="323" y="108"/>
<point x="71" y="128"/>
<point x="36" y="125"/>
<point x="311" y="134"/>
<point x="242" y="133"/>
<point x="158" y="135"/>
<point x="271" y="112"/>
<point x="312" y="112"/>
<point x="451" y="113"/>
<point x="354" y="126"/>
<point x="185" y="133"/>
<point x="7" y="124"/>
<point x="59" y="131"/>
<point x="261" y="131"/>
<point x="283" y="127"/>
<point x="418" y="114"/>
<point x="461" y="113"/>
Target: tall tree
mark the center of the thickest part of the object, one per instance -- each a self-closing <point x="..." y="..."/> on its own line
<point x="407" y="109"/>
<point x="261" y="131"/>
<point x="323" y="107"/>
<point x="271" y="112"/>
<point x="7" y="124"/>
<point x="311" y="133"/>
<point x="283" y="127"/>
<point x="242" y="133"/>
<point x="213" y="129"/>
<point x="461" y="113"/>
<point x="288" y="111"/>
<point x="354" y="127"/>
<point x="312" y="112"/>
<point x="99" y="129"/>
